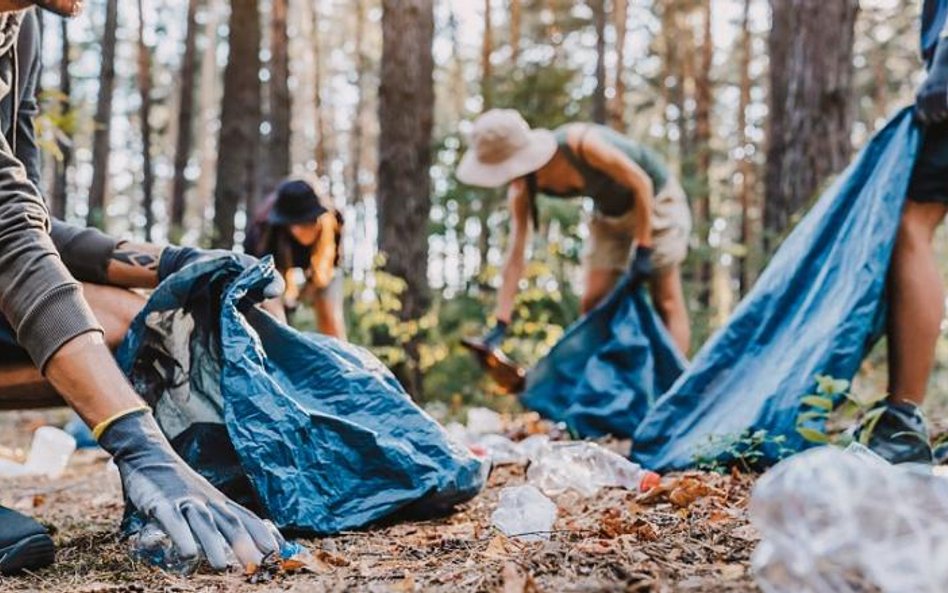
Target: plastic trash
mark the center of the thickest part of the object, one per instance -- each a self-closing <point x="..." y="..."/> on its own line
<point x="49" y="455"/>
<point x="500" y="450"/>
<point x="835" y="521"/>
<point x="586" y="468"/>
<point x="484" y="421"/>
<point x="524" y="513"/>
<point x="80" y="431"/>
<point x="309" y="431"/>
<point x="152" y="545"/>
<point x="816" y="310"/>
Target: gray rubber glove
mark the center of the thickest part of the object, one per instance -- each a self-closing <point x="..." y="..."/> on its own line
<point x="194" y="514"/>
<point x="175" y="258"/>
<point x="931" y="102"/>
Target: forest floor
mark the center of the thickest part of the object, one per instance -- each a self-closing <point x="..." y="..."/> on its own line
<point x="690" y="535"/>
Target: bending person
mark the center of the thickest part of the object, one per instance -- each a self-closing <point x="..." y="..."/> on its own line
<point x="637" y="203"/>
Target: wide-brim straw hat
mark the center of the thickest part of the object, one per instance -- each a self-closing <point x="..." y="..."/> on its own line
<point x="503" y="148"/>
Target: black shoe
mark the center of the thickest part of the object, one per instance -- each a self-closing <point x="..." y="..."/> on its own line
<point x="24" y="543"/>
<point x="897" y="432"/>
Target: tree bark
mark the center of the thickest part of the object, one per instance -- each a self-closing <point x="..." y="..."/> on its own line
<point x="185" y="138"/>
<point x="745" y="164"/>
<point x="60" y="195"/>
<point x="103" y="120"/>
<point x="487" y="69"/>
<point x="144" y="116"/>
<point x="406" y="115"/>
<point x="703" y="102"/>
<point x="620" y="9"/>
<point x="811" y="106"/>
<point x="322" y="141"/>
<point x="516" y="22"/>
<point x="599" y="94"/>
<point x="355" y="155"/>
<point x="278" y="161"/>
<point x="240" y="121"/>
<point x="209" y="109"/>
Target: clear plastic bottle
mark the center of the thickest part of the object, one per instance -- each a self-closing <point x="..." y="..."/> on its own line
<point x="586" y="468"/>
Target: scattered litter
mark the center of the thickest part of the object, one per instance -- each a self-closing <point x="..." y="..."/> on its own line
<point x="524" y="513"/>
<point x="500" y="450"/>
<point x="484" y="421"/>
<point x="152" y="545"/>
<point x="835" y="521"/>
<point x="49" y="455"/>
<point x="586" y="468"/>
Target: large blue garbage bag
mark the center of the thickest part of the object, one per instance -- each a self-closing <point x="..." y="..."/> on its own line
<point x="816" y="310"/>
<point x="607" y="370"/>
<point x="311" y="432"/>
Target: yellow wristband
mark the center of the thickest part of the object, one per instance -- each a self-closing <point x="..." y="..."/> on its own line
<point x="102" y="426"/>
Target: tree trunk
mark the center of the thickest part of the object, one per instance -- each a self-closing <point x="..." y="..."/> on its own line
<point x="406" y="115"/>
<point x="703" y="102"/>
<point x="355" y="155"/>
<point x="240" y="121"/>
<point x="278" y="154"/>
<point x="811" y="106"/>
<point x="144" y="115"/>
<point x="516" y="18"/>
<point x="103" y="120"/>
<point x="322" y="141"/>
<point x="745" y="164"/>
<point x="60" y="195"/>
<point x="185" y="138"/>
<point x="620" y="9"/>
<point x="487" y="69"/>
<point x="599" y="94"/>
<point x="209" y="101"/>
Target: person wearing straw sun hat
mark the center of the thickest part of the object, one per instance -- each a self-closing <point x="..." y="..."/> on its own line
<point x="640" y="224"/>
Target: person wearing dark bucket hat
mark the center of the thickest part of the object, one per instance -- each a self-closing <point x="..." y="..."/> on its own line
<point x="302" y="233"/>
<point x="641" y="221"/>
<point x="64" y="329"/>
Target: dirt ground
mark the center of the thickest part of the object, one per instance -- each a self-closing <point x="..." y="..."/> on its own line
<point x="691" y="535"/>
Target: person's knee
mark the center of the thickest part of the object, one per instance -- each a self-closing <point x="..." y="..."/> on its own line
<point x="918" y="224"/>
<point x="115" y="308"/>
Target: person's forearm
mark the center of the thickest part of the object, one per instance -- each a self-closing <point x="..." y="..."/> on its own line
<point x="510" y="280"/>
<point x="84" y="373"/>
<point x="643" y="221"/>
<point x="134" y="265"/>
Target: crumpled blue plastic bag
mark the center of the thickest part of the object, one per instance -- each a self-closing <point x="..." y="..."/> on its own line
<point x="313" y="433"/>
<point x="608" y="369"/>
<point x="816" y="310"/>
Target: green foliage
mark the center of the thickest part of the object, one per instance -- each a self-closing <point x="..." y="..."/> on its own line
<point x="743" y="451"/>
<point x="834" y="406"/>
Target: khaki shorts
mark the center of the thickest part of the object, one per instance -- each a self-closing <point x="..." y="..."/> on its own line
<point x="611" y="237"/>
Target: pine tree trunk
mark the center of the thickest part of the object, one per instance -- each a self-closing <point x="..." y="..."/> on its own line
<point x="144" y="115"/>
<point x="240" y="122"/>
<point x="599" y="94"/>
<point x="355" y="155"/>
<point x="703" y="102"/>
<point x="745" y="164"/>
<point x="103" y="120"/>
<point x="487" y="69"/>
<point x="185" y="138"/>
<point x="516" y="22"/>
<point x="322" y="139"/>
<point x="278" y="153"/>
<point x="209" y="112"/>
<point x="60" y="194"/>
<point x="406" y="115"/>
<point x="620" y="9"/>
<point x="811" y="103"/>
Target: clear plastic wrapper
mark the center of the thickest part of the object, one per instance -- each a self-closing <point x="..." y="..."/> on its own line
<point x="525" y="513"/>
<point x="585" y="468"/>
<point x="835" y="521"/>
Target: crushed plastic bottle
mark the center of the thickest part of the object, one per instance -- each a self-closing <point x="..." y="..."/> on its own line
<point x="152" y="545"/>
<point x="49" y="455"/>
<point x="835" y="521"/>
<point x="500" y="450"/>
<point x="484" y="421"/>
<point x="524" y="513"/>
<point x="586" y="468"/>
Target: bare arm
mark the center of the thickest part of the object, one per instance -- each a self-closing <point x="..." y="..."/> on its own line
<point x="518" y="202"/>
<point x="617" y="165"/>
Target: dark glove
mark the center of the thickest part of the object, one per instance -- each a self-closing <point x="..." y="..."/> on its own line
<point x="931" y="101"/>
<point x="194" y="514"/>
<point x="641" y="267"/>
<point x="492" y="339"/>
<point x="174" y="259"/>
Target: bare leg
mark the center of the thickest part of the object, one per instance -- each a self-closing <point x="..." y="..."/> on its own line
<point x="115" y="308"/>
<point x="599" y="283"/>
<point x="669" y="299"/>
<point x="326" y="317"/>
<point x="916" y="298"/>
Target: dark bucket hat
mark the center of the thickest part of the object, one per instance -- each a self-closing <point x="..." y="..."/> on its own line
<point x="296" y="203"/>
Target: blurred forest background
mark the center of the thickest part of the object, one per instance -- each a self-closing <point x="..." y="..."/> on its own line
<point x="167" y="119"/>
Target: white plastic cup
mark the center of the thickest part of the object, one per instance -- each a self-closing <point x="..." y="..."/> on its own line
<point x="50" y="452"/>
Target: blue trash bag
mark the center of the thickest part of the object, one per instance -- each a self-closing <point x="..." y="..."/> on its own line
<point x="310" y="432"/>
<point x="816" y="310"/>
<point x="608" y="369"/>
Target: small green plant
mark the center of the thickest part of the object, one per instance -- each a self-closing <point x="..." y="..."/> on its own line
<point x="826" y="414"/>
<point x="744" y="451"/>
